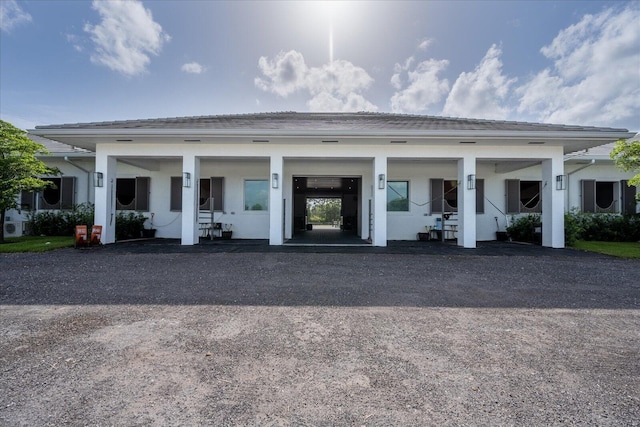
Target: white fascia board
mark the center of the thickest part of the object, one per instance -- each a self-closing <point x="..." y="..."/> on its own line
<point x="75" y="155"/>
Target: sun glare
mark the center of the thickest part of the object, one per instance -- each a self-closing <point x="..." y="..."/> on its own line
<point x="326" y="13"/>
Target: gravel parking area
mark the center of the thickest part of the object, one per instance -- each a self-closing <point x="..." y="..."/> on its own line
<point x="126" y="336"/>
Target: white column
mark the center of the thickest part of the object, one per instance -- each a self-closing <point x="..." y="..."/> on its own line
<point x="466" y="203"/>
<point x="276" y="236"/>
<point x="190" y="202"/>
<point x="552" y="203"/>
<point x="379" y="237"/>
<point x="105" y="197"/>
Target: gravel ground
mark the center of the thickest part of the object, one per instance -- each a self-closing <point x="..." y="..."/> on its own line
<point x="118" y="337"/>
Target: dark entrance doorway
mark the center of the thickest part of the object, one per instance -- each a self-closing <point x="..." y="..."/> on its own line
<point x="312" y="195"/>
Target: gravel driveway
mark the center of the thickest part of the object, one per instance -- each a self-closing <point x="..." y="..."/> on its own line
<point x="117" y="337"/>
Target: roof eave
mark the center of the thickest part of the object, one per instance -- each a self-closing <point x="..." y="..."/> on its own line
<point x="381" y="133"/>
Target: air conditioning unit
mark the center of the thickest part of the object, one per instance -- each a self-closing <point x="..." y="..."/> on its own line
<point x="12" y="229"/>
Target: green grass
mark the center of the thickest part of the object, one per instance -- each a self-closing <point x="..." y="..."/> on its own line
<point x="617" y="249"/>
<point x="35" y="244"/>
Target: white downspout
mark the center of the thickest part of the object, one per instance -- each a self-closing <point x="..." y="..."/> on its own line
<point x="88" y="172"/>
<point x="593" y="162"/>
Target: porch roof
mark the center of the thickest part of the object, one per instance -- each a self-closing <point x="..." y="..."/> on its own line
<point x="312" y="127"/>
<point x="59" y="149"/>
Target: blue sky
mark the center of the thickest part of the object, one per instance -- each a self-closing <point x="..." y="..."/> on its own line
<point x="571" y="62"/>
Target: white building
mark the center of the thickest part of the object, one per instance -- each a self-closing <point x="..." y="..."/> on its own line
<point x="395" y="174"/>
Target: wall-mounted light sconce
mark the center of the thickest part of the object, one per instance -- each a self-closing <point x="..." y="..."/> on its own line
<point x="98" y="179"/>
<point x="381" y="181"/>
<point x="274" y="180"/>
<point x="186" y="179"/>
<point x="471" y="182"/>
<point x="561" y="182"/>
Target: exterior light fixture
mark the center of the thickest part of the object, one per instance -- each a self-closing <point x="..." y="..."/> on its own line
<point x="98" y="179"/>
<point x="561" y="182"/>
<point x="186" y="179"/>
<point x="274" y="180"/>
<point x="471" y="182"/>
<point x="381" y="181"/>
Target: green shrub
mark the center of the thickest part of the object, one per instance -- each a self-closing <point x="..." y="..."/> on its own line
<point x="522" y="229"/>
<point x="60" y="223"/>
<point x="129" y="225"/>
<point x="610" y="227"/>
<point x="603" y="227"/>
<point x="573" y="227"/>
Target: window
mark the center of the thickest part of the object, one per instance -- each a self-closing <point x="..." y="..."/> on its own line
<point x="212" y="189"/>
<point x="133" y="194"/>
<point x="599" y="196"/>
<point x="523" y="196"/>
<point x="61" y="195"/>
<point x="444" y="196"/>
<point x="256" y="195"/>
<point x="444" y="193"/>
<point x="398" y="196"/>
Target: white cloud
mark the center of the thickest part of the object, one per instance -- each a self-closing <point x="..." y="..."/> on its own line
<point x="418" y="87"/>
<point x="328" y="102"/>
<point x="424" y="44"/>
<point x="339" y="77"/>
<point x="481" y="93"/>
<point x="12" y="15"/>
<point x="75" y="41"/>
<point x="284" y="75"/>
<point x="595" y="75"/>
<point x="193" y="68"/>
<point x="424" y="88"/>
<point x="336" y="86"/>
<point x="125" y="37"/>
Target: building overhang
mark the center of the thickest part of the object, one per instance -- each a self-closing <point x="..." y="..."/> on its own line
<point x="571" y="141"/>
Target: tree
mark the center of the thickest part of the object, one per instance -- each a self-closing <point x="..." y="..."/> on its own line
<point x="626" y="154"/>
<point x="324" y="210"/>
<point x="19" y="168"/>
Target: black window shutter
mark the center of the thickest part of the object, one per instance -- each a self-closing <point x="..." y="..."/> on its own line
<point x="67" y="192"/>
<point x="217" y="189"/>
<point x="588" y="195"/>
<point x="513" y="196"/>
<point x="142" y="193"/>
<point x="628" y="197"/>
<point x="437" y="190"/>
<point x="27" y="200"/>
<point x="176" y="194"/>
<point x="479" y="195"/>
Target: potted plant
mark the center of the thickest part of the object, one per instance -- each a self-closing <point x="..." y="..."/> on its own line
<point x="426" y="235"/>
<point x="226" y="233"/>
<point x="149" y="232"/>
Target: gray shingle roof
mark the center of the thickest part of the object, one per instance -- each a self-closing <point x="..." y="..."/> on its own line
<point x="55" y="147"/>
<point x="292" y="121"/>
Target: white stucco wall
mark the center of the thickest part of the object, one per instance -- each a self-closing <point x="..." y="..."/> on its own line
<point x="416" y="164"/>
